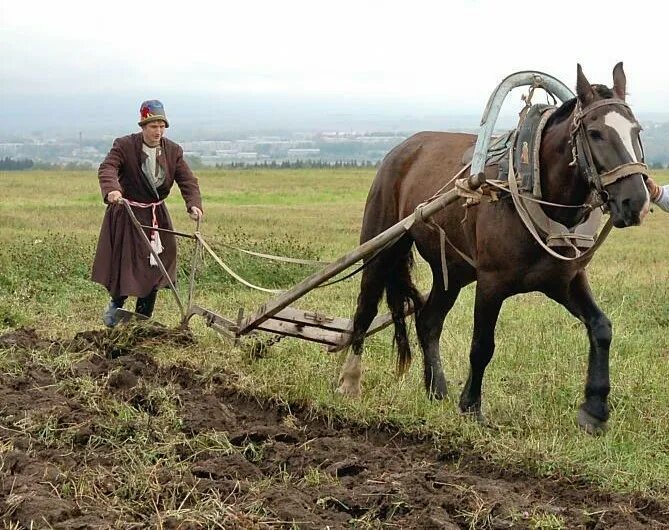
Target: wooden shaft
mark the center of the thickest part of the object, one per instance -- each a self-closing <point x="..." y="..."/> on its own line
<point x="270" y="308"/>
<point x="155" y="256"/>
<point x="193" y="268"/>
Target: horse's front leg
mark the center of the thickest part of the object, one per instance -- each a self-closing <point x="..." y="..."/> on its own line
<point x="486" y="310"/>
<point x="594" y="412"/>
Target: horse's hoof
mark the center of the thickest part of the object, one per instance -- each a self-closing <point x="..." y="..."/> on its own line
<point x="437" y="394"/>
<point x="436" y="385"/>
<point x="474" y="413"/>
<point x="590" y="424"/>
<point x="349" y="390"/>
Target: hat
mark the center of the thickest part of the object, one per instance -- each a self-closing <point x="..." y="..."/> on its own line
<point x="152" y="110"/>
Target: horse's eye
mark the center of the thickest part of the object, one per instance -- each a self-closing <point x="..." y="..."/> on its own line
<point x="595" y="134"/>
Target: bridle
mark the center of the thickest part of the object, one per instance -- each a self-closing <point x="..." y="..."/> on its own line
<point x="582" y="153"/>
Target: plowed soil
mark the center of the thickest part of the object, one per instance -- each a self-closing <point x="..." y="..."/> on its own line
<point x="336" y="474"/>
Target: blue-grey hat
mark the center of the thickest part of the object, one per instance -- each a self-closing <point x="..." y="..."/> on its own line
<point x="152" y="110"/>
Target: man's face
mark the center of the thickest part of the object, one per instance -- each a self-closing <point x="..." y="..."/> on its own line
<point x="153" y="132"/>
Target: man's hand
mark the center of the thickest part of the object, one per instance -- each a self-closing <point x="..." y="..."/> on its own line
<point x="195" y="213"/>
<point x="114" y="196"/>
<point x="654" y="190"/>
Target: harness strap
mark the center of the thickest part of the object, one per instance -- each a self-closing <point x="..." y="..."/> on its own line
<point x="600" y="103"/>
<point x="521" y="208"/>
<point x="465" y="192"/>
<point x="623" y="171"/>
<point x="536" y="190"/>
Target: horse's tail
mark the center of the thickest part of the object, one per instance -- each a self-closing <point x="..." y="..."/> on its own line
<point x="391" y="270"/>
<point x="400" y="293"/>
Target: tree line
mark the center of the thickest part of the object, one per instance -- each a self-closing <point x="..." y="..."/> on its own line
<point x="300" y="164"/>
<point x="9" y="164"/>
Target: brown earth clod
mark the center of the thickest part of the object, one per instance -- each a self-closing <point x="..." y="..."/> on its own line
<point x="61" y="464"/>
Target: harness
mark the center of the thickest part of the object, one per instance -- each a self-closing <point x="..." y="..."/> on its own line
<point x="516" y="155"/>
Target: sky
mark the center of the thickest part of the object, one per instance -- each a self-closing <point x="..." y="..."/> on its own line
<point x="413" y="56"/>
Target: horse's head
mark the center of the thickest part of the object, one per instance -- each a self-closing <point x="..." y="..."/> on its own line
<point x="608" y="150"/>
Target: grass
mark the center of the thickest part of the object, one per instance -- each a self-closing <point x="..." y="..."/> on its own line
<point x="533" y="386"/>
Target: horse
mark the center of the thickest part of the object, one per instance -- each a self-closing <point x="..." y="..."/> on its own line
<point x="489" y="244"/>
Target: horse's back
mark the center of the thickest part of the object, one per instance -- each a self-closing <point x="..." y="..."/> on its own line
<point x="411" y="173"/>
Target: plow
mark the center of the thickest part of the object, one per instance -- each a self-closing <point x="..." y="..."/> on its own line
<point x="277" y="316"/>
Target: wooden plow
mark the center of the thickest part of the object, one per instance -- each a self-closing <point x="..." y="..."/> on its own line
<point x="277" y="316"/>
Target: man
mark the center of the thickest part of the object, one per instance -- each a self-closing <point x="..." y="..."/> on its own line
<point x="658" y="194"/>
<point x="140" y="168"/>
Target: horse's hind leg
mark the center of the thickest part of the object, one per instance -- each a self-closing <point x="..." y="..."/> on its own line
<point x="371" y="290"/>
<point x="429" y="324"/>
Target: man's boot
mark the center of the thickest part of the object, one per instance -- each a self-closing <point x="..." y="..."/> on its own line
<point x="109" y="316"/>
<point x="146" y="303"/>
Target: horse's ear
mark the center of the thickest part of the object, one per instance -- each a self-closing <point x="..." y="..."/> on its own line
<point x="619" y="81"/>
<point x="584" y="90"/>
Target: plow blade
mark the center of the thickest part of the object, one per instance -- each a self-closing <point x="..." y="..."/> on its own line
<point x="124" y="316"/>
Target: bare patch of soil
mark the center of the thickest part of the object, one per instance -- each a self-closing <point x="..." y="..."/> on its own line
<point x="285" y="468"/>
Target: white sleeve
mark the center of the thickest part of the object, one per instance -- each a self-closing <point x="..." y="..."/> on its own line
<point x="663" y="199"/>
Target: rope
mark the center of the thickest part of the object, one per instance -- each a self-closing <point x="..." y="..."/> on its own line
<point x="272" y="257"/>
<point x="365" y="264"/>
<point x="498" y="184"/>
<point x="440" y="191"/>
<point x="233" y="273"/>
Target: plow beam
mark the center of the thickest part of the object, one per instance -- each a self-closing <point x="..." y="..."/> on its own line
<point x="392" y="234"/>
<point x="333" y="333"/>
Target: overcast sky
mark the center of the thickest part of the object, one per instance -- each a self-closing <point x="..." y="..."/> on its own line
<point x="446" y="55"/>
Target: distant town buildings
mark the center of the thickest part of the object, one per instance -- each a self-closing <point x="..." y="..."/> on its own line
<point x="332" y="146"/>
<point x="327" y="147"/>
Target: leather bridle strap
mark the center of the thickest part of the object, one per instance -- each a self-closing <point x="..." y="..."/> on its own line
<point x="622" y="171"/>
<point x="584" y="153"/>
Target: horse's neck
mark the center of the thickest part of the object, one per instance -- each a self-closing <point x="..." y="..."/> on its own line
<point x="561" y="182"/>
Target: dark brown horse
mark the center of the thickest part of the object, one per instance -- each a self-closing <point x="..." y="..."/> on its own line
<point x="507" y="259"/>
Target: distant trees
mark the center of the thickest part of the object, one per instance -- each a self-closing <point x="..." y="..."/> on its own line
<point x="194" y="162"/>
<point x="300" y="164"/>
<point x="9" y="164"/>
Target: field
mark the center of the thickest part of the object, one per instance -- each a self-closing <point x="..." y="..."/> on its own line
<point x="148" y="427"/>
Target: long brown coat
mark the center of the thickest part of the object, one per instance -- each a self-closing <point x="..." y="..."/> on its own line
<point x="122" y="257"/>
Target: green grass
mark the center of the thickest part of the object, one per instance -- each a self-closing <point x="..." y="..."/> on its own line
<point x="533" y="386"/>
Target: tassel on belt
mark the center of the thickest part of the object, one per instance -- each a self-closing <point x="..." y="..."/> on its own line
<point x="156" y="243"/>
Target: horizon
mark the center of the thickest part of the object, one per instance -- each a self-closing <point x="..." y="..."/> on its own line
<point x="67" y="115"/>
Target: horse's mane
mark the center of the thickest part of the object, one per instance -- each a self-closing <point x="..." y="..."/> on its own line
<point x="564" y="111"/>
